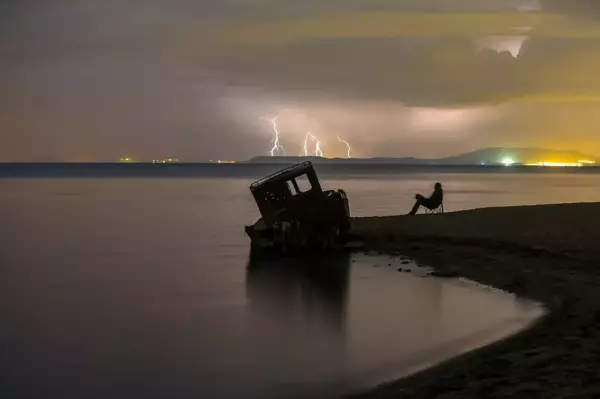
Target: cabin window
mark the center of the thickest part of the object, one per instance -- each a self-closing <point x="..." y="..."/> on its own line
<point x="303" y="183"/>
<point x="292" y="188"/>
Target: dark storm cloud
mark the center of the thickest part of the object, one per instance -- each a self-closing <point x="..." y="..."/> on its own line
<point x="414" y="71"/>
<point x="445" y="71"/>
<point x="104" y="79"/>
<point x="554" y="72"/>
<point x="585" y="8"/>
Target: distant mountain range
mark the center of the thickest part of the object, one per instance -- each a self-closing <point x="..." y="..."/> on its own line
<point x="485" y="156"/>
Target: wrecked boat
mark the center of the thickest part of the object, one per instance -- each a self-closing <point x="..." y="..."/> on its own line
<point x="296" y="214"/>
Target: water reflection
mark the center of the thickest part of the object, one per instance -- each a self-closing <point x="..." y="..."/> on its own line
<point x="297" y="317"/>
<point x="310" y="290"/>
<point x="325" y="325"/>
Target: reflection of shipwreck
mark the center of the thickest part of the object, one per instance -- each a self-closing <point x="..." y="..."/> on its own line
<point x="301" y="293"/>
<point x="296" y="213"/>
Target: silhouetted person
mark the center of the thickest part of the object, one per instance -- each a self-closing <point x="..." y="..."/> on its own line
<point x="432" y="202"/>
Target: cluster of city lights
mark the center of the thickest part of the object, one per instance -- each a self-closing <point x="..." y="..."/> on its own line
<point x="507" y="161"/>
<point x="556" y="164"/>
<point x="165" y="160"/>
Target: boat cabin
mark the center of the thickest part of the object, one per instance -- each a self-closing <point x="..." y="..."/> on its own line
<point x="287" y="192"/>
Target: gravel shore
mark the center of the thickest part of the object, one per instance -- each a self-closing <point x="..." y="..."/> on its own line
<point x="548" y="253"/>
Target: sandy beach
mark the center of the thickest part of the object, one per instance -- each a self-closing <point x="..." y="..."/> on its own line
<point x="548" y="253"/>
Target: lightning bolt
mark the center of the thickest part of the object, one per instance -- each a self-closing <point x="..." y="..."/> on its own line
<point x="306" y="144"/>
<point x="318" y="151"/>
<point x="347" y="145"/>
<point x="276" y="145"/>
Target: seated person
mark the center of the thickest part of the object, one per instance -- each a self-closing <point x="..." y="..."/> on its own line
<point x="434" y="201"/>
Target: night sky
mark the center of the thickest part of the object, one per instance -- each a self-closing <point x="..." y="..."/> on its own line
<point x="96" y="80"/>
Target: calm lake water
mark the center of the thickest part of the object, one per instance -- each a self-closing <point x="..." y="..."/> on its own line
<point x="141" y="287"/>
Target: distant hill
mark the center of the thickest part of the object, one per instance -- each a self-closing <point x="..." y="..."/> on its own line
<point x="487" y="156"/>
<point x="498" y="155"/>
<point x="317" y="160"/>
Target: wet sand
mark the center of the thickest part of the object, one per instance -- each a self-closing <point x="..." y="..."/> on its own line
<point x="547" y="253"/>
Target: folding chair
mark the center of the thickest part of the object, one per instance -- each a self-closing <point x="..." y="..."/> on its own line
<point x="439" y="209"/>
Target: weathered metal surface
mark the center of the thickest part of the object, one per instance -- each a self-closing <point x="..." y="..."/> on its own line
<point x="296" y="217"/>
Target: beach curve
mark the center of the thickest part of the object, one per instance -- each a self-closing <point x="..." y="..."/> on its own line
<point x="547" y="253"/>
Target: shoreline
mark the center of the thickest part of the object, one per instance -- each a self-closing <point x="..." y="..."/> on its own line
<point x="545" y="253"/>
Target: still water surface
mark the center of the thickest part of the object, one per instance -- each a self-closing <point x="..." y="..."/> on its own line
<point x="142" y="288"/>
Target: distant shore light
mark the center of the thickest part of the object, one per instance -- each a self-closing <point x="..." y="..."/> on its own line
<point x="556" y="164"/>
<point x="166" y="160"/>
